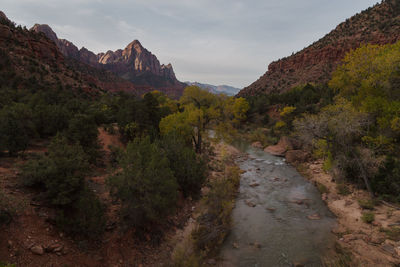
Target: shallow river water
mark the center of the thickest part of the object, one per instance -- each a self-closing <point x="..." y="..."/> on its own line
<point x="277" y="230"/>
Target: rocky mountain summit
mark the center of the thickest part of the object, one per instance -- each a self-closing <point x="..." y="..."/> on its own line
<point x="134" y="63"/>
<point x="27" y="57"/>
<point x="377" y="25"/>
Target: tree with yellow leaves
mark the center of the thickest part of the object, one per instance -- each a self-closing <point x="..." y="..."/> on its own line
<point x="201" y="111"/>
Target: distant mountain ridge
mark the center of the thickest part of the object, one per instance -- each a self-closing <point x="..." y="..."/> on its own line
<point x="217" y="89"/>
<point x="379" y="24"/>
<point x="134" y="63"/>
<point x="29" y="58"/>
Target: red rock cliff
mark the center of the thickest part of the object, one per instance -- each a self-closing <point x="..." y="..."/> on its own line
<point x="378" y="25"/>
<point x="134" y="63"/>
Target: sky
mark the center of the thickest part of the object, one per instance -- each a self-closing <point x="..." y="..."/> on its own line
<point x="209" y="41"/>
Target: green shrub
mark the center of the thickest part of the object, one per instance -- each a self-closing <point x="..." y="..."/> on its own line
<point x="320" y="148"/>
<point x="343" y="189"/>
<point x="328" y="162"/>
<point x="16" y="128"/>
<point x="387" y="181"/>
<point x="82" y="130"/>
<point x="85" y="217"/>
<point x="183" y="257"/>
<point x="341" y="258"/>
<point x="392" y="233"/>
<point x="50" y="119"/>
<point x="368" y="217"/>
<point x="366" y="204"/>
<point x="188" y="168"/>
<point x="9" y="207"/>
<point x="115" y="154"/>
<point x="146" y="185"/>
<point x="322" y="188"/>
<point x="262" y="135"/>
<point x="266" y="119"/>
<point x="60" y="176"/>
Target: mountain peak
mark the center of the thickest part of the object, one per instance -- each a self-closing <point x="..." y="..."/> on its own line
<point x="47" y="30"/>
<point x="134" y="63"/>
<point x="3" y="16"/>
<point x="135" y="44"/>
<point x="168" y="66"/>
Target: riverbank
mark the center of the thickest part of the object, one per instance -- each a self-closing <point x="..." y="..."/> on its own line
<point x="279" y="217"/>
<point x="358" y="243"/>
<point x="198" y="243"/>
<point x="367" y="232"/>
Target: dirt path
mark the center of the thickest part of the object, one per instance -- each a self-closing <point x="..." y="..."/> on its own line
<point x="374" y="244"/>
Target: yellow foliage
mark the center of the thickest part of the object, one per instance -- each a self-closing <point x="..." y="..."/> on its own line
<point x="367" y="70"/>
<point x="287" y="111"/>
<point x="203" y="110"/>
<point x="280" y="124"/>
<point x="321" y="148"/>
<point x="176" y="123"/>
<point x="395" y="124"/>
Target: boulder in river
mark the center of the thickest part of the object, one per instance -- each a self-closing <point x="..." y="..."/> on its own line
<point x="257" y="144"/>
<point x="314" y="217"/>
<point x="256" y="245"/>
<point x="280" y="149"/>
<point x="299" y="202"/>
<point x="250" y="204"/>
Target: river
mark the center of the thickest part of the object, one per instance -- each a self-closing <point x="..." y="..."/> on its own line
<point x="270" y="222"/>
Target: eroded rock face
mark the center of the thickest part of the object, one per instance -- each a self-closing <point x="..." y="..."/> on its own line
<point x="377" y="25"/>
<point x="280" y="149"/>
<point x="134" y="63"/>
<point x="36" y="45"/>
<point x="44" y="28"/>
<point x="135" y="59"/>
<point x="3" y="16"/>
<point x="296" y="156"/>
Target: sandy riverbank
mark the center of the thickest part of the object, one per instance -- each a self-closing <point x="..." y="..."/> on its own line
<point x="374" y="244"/>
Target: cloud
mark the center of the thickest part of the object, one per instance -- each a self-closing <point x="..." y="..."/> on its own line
<point x="210" y="41"/>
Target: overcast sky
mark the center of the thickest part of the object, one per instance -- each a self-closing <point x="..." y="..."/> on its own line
<point x="210" y="41"/>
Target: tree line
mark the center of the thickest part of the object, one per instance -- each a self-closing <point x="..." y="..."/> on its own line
<point x="164" y="154"/>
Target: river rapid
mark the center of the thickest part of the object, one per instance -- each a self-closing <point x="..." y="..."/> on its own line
<point x="279" y="218"/>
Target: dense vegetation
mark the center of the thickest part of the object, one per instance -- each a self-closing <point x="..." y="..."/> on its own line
<point x="352" y="123"/>
<point x="361" y="138"/>
<point x="70" y="120"/>
<point x="200" y="111"/>
<point x="146" y="185"/>
<point x="146" y="178"/>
